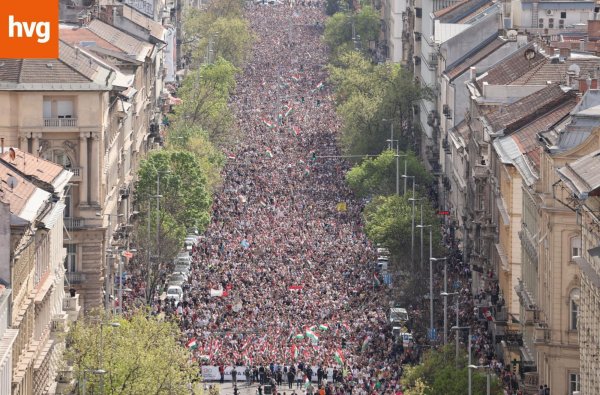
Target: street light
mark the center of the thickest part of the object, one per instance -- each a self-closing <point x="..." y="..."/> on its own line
<point x="412" y="228"/>
<point x="488" y="380"/>
<point x="99" y="372"/>
<point x="107" y="280"/>
<point x="446" y="298"/>
<point x="102" y="325"/>
<point x="445" y="295"/>
<point x="456" y="328"/>
<point x="391" y="140"/>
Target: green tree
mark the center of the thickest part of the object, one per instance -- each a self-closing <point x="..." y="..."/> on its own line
<point x="377" y="176"/>
<point x="182" y="187"/>
<point x="205" y="94"/>
<point x="140" y="356"/>
<point x="389" y="222"/>
<point x="338" y="28"/>
<point x="186" y="136"/>
<point x="438" y="375"/>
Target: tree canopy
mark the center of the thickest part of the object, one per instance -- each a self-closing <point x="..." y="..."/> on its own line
<point x="389" y="221"/>
<point x="140" y="356"/>
<point x="438" y="375"/>
<point x="369" y="97"/>
<point x="338" y="28"/>
<point x="377" y="176"/>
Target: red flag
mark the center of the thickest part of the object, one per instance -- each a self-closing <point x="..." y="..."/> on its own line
<point x="487" y="314"/>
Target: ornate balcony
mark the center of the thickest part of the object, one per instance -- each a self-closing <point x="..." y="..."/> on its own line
<point x="74" y="278"/>
<point x="74" y="223"/>
<point x="541" y="334"/>
<point x="60" y="122"/>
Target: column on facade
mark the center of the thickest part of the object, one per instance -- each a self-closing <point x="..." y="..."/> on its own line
<point x="95" y="166"/>
<point x="36" y="143"/>
<point x="83" y="164"/>
<point x="23" y="142"/>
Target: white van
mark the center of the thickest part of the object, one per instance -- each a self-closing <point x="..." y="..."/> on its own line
<point x="398" y="315"/>
<point x="175" y="292"/>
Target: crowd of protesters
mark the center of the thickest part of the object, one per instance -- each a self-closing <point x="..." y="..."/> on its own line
<point x="283" y="281"/>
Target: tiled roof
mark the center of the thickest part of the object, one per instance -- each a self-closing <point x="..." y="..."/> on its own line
<point x="511" y="68"/>
<point x="32" y="165"/>
<point x="125" y="42"/>
<point x="472" y="58"/>
<point x="71" y="67"/>
<point x="17" y="196"/>
<point x="557" y="72"/>
<point x="526" y="137"/>
<point x="463" y="10"/>
<point x="445" y="11"/>
<point x="517" y="115"/>
<point x="82" y="36"/>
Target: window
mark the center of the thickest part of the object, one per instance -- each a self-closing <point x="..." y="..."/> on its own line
<point x="59" y="157"/>
<point x="573" y="309"/>
<point x="418" y="12"/>
<point x="68" y="211"/>
<point x="71" y="258"/>
<point x="59" y="108"/>
<point x="563" y="15"/>
<point x="561" y="23"/>
<point x="573" y="383"/>
<point x="550" y="23"/>
<point x="575" y="247"/>
<point x="540" y="23"/>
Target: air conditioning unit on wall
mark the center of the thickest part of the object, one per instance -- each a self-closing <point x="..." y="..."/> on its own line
<point x="549" y="12"/>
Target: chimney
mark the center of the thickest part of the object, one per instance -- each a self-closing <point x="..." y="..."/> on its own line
<point x="472" y="74"/>
<point x="565" y="53"/>
<point x="593" y="30"/>
<point x="582" y="44"/>
<point x="556" y="51"/>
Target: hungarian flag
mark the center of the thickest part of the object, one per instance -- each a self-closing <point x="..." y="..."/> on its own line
<point x="299" y="336"/>
<point x="295" y="287"/>
<point x="289" y="112"/>
<point x="231" y="156"/>
<point x="192" y="344"/>
<point x="268" y="123"/>
<point x="487" y="314"/>
<point x="269" y="153"/>
<point x="312" y="335"/>
<point x="296" y="77"/>
<point x="294" y="351"/>
<point x="339" y="357"/>
<point x="323" y="327"/>
<point x="320" y="86"/>
<point x="296" y="130"/>
<point x="365" y="344"/>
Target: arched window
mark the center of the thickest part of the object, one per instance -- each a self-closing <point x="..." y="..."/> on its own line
<point x="59" y="157"/>
<point x="573" y="309"/>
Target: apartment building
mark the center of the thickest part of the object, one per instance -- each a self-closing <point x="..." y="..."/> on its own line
<point x="579" y="188"/>
<point x="34" y="191"/>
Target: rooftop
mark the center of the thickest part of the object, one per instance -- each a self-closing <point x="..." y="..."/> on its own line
<point x="547" y="71"/>
<point x="472" y="58"/>
<point x="582" y="175"/>
<point x="462" y="11"/>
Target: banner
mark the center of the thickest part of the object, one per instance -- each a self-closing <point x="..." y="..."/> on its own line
<point x="211" y="373"/>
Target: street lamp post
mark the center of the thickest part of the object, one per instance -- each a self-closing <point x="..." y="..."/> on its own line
<point x="102" y="324"/>
<point x="99" y="372"/>
<point x="412" y="228"/>
<point x="488" y="379"/>
<point x="446" y="298"/>
<point x="456" y="328"/>
<point x="107" y="281"/>
<point x="445" y="295"/>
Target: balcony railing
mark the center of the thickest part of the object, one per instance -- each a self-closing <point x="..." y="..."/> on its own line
<point x="59" y="322"/>
<point x="75" y="277"/>
<point x="76" y="173"/>
<point x="71" y="303"/>
<point x="74" y="223"/>
<point x="60" y="122"/>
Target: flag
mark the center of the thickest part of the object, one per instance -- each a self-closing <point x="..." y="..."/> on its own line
<point x="295" y="287"/>
<point x="216" y="292"/>
<point x="365" y="344"/>
<point x="376" y="281"/>
<point x="231" y="156"/>
<point x="339" y="357"/>
<point x="296" y="77"/>
<point x="192" y="344"/>
<point x="323" y="327"/>
<point x="342" y="207"/>
<point x="346" y="326"/>
<point x="312" y="335"/>
<point x="294" y="351"/>
<point x="299" y="336"/>
<point x="289" y="112"/>
<point x="296" y="130"/>
<point x="320" y="86"/>
<point x="269" y="153"/>
<point x="487" y="314"/>
<point x="268" y="123"/>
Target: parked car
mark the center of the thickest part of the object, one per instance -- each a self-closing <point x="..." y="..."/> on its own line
<point x="175" y="292"/>
<point x="182" y="268"/>
<point x="177" y="279"/>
